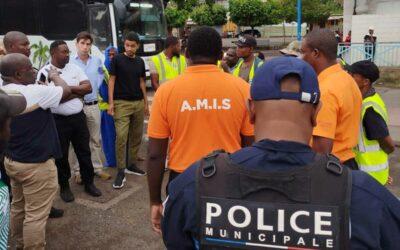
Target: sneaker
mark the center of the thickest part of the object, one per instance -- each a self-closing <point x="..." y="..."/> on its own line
<point x="133" y="169"/>
<point x="56" y="213"/>
<point x="92" y="190"/>
<point x="66" y="194"/>
<point x="119" y="180"/>
<point x="103" y="175"/>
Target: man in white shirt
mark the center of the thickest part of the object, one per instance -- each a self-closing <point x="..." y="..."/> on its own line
<point x="71" y="121"/>
<point x="31" y="150"/>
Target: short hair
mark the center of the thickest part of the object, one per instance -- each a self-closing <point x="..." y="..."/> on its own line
<point x="54" y="45"/>
<point x="324" y="40"/>
<point x="12" y="63"/>
<point x="171" y="41"/>
<point x="204" y="42"/>
<point x="10" y="38"/>
<point x="84" y="35"/>
<point x="132" y="36"/>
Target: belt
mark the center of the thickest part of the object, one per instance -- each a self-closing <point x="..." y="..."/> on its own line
<point x="91" y="103"/>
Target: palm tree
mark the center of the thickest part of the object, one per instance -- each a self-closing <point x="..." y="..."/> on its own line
<point x="41" y="52"/>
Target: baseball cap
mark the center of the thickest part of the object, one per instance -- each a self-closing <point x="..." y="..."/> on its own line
<point x="267" y="81"/>
<point x="246" y="41"/>
<point x="11" y="104"/>
<point x="365" y="68"/>
<point x="293" y="49"/>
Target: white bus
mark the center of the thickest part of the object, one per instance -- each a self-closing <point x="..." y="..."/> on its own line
<point x="107" y="20"/>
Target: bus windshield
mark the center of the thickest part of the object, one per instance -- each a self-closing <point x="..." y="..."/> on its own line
<point x="144" y="17"/>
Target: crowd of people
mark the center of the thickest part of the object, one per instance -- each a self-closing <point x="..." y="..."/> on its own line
<point x="250" y="146"/>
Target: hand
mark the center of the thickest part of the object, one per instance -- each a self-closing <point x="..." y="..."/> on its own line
<point x="110" y="109"/>
<point x="52" y="73"/>
<point x="146" y="110"/>
<point x="156" y="215"/>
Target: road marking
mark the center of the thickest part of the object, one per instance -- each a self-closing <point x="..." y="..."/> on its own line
<point x="110" y="203"/>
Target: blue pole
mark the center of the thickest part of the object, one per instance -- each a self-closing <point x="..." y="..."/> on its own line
<point x="299" y="20"/>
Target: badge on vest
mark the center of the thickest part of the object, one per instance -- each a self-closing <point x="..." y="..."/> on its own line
<point x="254" y="225"/>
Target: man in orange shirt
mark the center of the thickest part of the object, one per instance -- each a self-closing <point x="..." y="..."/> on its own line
<point x="196" y="113"/>
<point x="339" y="119"/>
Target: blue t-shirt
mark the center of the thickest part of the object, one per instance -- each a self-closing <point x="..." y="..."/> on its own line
<point x="374" y="211"/>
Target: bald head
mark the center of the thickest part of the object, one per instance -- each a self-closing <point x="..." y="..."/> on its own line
<point x="17" y="68"/>
<point x="17" y="42"/>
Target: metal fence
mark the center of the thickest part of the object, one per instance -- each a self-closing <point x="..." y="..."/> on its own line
<point x="383" y="54"/>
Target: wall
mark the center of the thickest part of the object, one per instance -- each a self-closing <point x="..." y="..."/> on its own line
<point x="387" y="27"/>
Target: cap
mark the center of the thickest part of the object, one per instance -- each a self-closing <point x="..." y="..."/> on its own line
<point x="11" y="104"/>
<point x="371" y="28"/>
<point x="246" y="41"/>
<point x="293" y="49"/>
<point x="267" y="81"/>
<point x="365" y="68"/>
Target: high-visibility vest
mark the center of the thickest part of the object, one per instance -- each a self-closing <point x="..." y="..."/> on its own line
<point x="369" y="155"/>
<point x="256" y="64"/>
<point x="102" y="104"/>
<point x="166" y="69"/>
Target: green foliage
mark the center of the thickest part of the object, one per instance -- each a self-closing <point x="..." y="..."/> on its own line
<point x="219" y="14"/>
<point x="41" y="53"/>
<point x="210" y="2"/>
<point x="251" y="12"/>
<point x="186" y="4"/>
<point x="175" y="17"/>
<point x="202" y="15"/>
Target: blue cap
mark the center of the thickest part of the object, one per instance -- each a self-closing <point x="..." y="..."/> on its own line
<point x="267" y="80"/>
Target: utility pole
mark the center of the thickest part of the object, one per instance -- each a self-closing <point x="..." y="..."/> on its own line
<point x="299" y="20"/>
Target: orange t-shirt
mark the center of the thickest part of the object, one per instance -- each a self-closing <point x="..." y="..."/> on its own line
<point x="339" y="117"/>
<point x="200" y="111"/>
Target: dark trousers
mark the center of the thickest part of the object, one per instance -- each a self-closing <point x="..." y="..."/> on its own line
<point x="351" y="163"/>
<point x="73" y="129"/>
<point x="172" y="176"/>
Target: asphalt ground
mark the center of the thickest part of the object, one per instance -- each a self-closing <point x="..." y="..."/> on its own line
<point x="120" y="219"/>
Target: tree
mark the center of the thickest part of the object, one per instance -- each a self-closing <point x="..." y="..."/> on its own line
<point x="209" y="15"/>
<point x="186" y="4"/>
<point x="175" y="18"/>
<point x="249" y="12"/>
<point x="219" y="14"/>
<point x="42" y="52"/>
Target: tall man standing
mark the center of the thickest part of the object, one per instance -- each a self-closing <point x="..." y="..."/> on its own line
<point x="71" y="121"/>
<point x="33" y="146"/>
<point x="128" y="104"/>
<point x="93" y="68"/>
<point x="339" y="119"/>
<point x="168" y="64"/>
<point x="248" y="63"/>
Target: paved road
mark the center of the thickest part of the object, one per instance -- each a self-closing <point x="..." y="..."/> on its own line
<point x="120" y="218"/>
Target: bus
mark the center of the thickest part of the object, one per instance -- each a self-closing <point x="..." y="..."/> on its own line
<point x="107" y="20"/>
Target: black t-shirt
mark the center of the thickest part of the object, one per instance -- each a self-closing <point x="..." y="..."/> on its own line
<point x="374" y="125"/>
<point x="127" y="72"/>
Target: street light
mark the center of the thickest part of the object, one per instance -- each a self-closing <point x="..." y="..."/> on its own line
<point x="299" y="20"/>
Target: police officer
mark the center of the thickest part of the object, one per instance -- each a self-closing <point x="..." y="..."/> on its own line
<point x="273" y="194"/>
<point x="168" y="64"/>
<point x="374" y="142"/>
<point x="248" y="63"/>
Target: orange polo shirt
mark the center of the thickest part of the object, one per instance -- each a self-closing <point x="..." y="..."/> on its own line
<point x="202" y="110"/>
<point x="339" y="117"/>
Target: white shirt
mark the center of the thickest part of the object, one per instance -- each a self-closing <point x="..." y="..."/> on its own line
<point x="37" y="95"/>
<point x="72" y="75"/>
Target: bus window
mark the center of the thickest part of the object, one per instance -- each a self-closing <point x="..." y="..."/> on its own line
<point x="18" y="15"/>
<point x="100" y="25"/>
<point x="63" y="19"/>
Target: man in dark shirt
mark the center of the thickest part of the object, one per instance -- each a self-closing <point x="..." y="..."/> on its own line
<point x="374" y="130"/>
<point x="128" y="104"/>
<point x="370" y="44"/>
<point x="283" y="129"/>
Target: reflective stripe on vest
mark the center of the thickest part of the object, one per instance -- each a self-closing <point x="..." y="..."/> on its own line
<point x="165" y="69"/>
<point x="369" y="155"/>
<point x="236" y="71"/>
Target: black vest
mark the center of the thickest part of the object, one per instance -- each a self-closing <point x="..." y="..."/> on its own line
<point x="306" y="207"/>
<point x="34" y="138"/>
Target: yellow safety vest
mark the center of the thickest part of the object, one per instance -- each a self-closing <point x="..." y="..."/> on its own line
<point x="168" y="70"/>
<point x="254" y="67"/>
<point x="102" y="104"/>
<point x="369" y="155"/>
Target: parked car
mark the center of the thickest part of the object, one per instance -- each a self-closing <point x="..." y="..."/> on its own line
<point x="255" y="33"/>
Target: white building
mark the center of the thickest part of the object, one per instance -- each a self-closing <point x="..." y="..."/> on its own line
<point x="383" y="15"/>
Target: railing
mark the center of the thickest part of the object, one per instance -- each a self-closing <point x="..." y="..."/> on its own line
<point x="383" y="54"/>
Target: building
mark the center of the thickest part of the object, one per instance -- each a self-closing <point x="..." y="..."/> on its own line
<point x="383" y="15"/>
